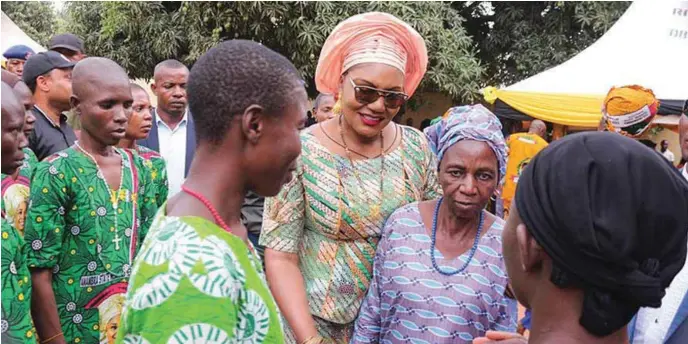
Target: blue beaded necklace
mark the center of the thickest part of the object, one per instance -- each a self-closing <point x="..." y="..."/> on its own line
<point x="434" y="237"/>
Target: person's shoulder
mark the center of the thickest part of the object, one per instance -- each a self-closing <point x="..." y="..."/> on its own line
<point x="307" y="134"/>
<point x="60" y="159"/>
<point x="147" y="153"/>
<point x="412" y="134"/>
<point x="138" y="161"/>
<point x="30" y="156"/>
<point x="311" y="145"/>
<point x="408" y="211"/>
<point x="416" y="140"/>
<point x="498" y="224"/>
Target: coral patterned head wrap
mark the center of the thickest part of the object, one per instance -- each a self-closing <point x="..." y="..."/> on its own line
<point x="372" y="37"/>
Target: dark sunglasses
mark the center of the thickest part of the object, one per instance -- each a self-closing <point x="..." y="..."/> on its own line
<point x="367" y="95"/>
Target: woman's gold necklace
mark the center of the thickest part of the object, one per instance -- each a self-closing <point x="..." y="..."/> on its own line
<point x="375" y="209"/>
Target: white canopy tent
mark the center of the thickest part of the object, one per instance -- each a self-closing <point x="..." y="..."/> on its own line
<point x="647" y="46"/>
<point x="13" y="35"/>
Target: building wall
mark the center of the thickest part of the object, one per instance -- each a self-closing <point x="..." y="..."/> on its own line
<point x="672" y="137"/>
<point x="431" y="106"/>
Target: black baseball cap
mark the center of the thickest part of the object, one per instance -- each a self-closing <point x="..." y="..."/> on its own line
<point x="66" y="41"/>
<point x="42" y="63"/>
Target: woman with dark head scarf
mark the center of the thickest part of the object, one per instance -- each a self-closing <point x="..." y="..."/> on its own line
<point x="599" y="230"/>
<point x="355" y="169"/>
<point x="439" y="276"/>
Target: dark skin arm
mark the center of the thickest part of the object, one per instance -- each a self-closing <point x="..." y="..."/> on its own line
<point x="291" y="297"/>
<point x="44" y="307"/>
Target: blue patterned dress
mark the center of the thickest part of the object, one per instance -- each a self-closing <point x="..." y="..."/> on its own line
<point x="409" y="302"/>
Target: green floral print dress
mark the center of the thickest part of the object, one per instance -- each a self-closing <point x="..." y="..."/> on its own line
<point x="88" y="235"/>
<point x="195" y="283"/>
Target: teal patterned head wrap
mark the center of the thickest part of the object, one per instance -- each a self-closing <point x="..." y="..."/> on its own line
<point x="470" y="122"/>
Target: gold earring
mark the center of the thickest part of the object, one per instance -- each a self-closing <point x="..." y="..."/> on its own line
<point x="337" y="108"/>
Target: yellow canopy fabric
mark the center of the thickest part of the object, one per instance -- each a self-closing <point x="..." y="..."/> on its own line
<point x="566" y="109"/>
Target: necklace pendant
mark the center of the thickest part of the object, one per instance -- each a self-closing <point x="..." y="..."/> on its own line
<point x="116" y="241"/>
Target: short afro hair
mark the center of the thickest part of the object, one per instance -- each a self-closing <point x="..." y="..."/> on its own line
<point x="232" y="76"/>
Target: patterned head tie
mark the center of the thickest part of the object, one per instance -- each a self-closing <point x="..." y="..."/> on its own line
<point x="470" y="122"/>
<point x="629" y="110"/>
<point x="373" y="37"/>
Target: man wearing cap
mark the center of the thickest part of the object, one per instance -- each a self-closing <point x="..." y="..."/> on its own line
<point x="48" y="75"/>
<point x="68" y="45"/>
<point x="16" y="56"/>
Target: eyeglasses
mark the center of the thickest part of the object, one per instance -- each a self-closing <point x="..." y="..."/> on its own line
<point x="368" y="95"/>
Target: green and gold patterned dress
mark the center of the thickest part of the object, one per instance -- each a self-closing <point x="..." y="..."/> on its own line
<point x="16" y="191"/>
<point x="195" y="283"/>
<point x="16" y="280"/>
<point x="88" y="235"/>
<point x="155" y="163"/>
<point x="333" y="222"/>
<point x="16" y="287"/>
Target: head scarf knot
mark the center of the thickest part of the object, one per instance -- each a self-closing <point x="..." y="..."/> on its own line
<point x="373" y="37"/>
<point x="612" y="216"/>
<point x="470" y="122"/>
<point x="629" y="110"/>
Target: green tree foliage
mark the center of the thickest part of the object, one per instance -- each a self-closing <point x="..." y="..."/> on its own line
<point x="139" y="34"/>
<point x="35" y="18"/>
<point x="519" y="39"/>
<point x="470" y="44"/>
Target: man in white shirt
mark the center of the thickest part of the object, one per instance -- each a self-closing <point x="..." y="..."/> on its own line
<point x="669" y="323"/>
<point x="173" y="133"/>
<point x="664" y="149"/>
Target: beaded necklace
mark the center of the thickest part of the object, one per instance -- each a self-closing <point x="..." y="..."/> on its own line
<point x="114" y="201"/>
<point x="434" y="237"/>
<point x="216" y="215"/>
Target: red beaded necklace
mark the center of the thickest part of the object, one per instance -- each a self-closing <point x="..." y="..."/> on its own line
<point x="218" y="219"/>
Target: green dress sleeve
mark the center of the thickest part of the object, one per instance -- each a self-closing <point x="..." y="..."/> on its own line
<point x="148" y="198"/>
<point x="284" y="217"/>
<point x="45" y="222"/>
<point x="431" y="189"/>
<point x="160" y="178"/>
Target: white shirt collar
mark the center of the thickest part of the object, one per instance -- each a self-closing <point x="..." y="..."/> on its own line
<point x="183" y="121"/>
<point x="685" y="171"/>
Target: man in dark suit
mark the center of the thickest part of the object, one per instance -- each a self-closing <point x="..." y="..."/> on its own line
<point x="173" y="133"/>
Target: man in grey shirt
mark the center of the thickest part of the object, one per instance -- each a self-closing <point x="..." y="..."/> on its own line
<point x="48" y="76"/>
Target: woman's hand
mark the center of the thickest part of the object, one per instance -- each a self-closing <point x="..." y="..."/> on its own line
<point x="501" y="338"/>
<point x="289" y="290"/>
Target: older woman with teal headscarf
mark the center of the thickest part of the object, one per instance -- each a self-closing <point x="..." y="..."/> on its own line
<point x="438" y="274"/>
